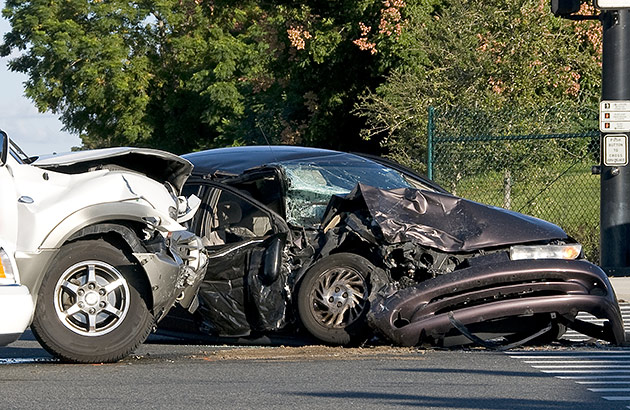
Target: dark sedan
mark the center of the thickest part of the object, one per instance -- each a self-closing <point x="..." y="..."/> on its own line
<point x="333" y="243"/>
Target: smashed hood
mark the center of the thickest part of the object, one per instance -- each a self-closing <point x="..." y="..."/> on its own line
<point x="442" y="221"/>
<point x="159" y="165"/>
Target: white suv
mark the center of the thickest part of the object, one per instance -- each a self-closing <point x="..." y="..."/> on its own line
<point x="99" y="244"/>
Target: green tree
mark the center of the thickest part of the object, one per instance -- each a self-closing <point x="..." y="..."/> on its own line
<point x="124" y="73"/>
<point x="191" y="74"/>
<point x="519" y="68"/>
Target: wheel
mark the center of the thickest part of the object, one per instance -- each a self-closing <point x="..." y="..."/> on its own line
<point x="333" y="297"/>
<point x="90" y="307"/>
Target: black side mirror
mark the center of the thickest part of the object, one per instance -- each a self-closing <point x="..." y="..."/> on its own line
<point x="561" y="8"/>
<point x="273" y="261"/>
<point x="5" y="148"/>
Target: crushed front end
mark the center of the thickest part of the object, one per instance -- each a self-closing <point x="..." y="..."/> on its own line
<point x="515" y="298"/>
<point x="460" y="269"/>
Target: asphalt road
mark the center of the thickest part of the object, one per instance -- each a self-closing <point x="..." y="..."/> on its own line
<point x="177" y="376"/>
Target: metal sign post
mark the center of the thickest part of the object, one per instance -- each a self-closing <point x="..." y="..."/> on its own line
<point x="615" y="127"/>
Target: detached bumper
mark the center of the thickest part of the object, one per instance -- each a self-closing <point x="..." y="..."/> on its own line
<point x="484" y="296"/>
<point x="16" y="305"/>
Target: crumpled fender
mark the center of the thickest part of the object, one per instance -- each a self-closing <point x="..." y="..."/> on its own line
<point x="481" y="294"/>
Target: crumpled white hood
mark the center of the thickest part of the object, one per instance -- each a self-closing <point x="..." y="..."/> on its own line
<point x="159" y="165"/>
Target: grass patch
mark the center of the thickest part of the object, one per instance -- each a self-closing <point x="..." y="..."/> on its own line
<point x="566" y="194"/>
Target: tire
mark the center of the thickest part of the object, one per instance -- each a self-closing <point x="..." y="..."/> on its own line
<point x="333" y="298"/>
<point x="90" y="307"/>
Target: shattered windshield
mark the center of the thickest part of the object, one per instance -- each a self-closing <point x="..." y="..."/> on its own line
<point x="312" y="181"/>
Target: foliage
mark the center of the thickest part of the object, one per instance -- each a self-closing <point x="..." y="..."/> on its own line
<point x="190" y="74"/>
<point x="493" y="57"/>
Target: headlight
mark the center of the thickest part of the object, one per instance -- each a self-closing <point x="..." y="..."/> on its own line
<point x="545" y="252"/>
<point x="7" y="276"/>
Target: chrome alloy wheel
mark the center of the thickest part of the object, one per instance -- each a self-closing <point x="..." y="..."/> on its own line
<point x="91" y="298"/>
<point x="339" y="297"/>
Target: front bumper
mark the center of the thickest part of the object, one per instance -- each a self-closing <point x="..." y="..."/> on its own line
<point x="17" y="308"/>
<point x="175" y="274"/>
<point x="486" y="295"/>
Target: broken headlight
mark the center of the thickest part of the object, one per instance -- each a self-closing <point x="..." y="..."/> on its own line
<point x="568" y="252"/>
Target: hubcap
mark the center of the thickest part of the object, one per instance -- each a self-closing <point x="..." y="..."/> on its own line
<point x="339" y="297"/>
<point x="91" y="298"/>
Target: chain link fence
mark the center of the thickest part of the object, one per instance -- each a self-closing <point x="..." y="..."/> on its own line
<point x="485" y="157"/>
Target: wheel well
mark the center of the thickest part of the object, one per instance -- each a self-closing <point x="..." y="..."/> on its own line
<point x="365" y="252"/>
<point x="126" y="237"/>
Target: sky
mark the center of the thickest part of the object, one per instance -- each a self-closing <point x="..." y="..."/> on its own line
<point x="36" y="133"/>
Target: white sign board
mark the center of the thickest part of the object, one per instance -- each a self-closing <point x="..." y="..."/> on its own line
<point x="612" y="4"/>
<point x="614" y="116"/>
<point x="615" y="150"/>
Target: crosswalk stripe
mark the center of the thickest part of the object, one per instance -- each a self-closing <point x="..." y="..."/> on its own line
<point x="572" y="335"/>
<point x="621" y="360"/>
<point x="598" y="376"/>
<point x="603" y="372"/>
<point x="579" y="366"/>
<point x="584" y="371"/>
<point x="568" y="353"/>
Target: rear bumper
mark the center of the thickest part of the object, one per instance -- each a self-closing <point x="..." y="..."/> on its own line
<point x="486" y="294"/>
<point x="16" y="306"/>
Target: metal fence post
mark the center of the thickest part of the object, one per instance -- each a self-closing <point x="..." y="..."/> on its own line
<point x="430" y="130"/>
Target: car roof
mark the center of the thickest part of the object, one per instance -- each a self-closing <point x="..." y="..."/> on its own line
<point x="235" y="160"/>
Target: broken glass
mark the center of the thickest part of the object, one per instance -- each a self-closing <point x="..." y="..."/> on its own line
<point x="312" y="184"/>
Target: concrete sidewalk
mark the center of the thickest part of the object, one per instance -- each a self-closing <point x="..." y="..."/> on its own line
<point x="621" y="285"/>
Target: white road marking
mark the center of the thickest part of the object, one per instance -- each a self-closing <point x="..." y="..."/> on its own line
<point x="28" y="360"/>
<point x="602" y="372"/>
<point x="582" y="366"/>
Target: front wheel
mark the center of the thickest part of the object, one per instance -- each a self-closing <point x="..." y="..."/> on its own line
<point x="333" y="297"/>
<point x="89" y="307"/>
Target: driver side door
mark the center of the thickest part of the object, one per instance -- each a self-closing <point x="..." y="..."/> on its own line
<point x="244" y="287"/>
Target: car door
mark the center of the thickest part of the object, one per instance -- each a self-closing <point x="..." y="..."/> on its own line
<point x="8" y="201"/>
<point x="244" y="285"/>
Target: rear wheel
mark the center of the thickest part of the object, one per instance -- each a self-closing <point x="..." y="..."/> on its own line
<point x="333" y="298"/>
<point x="90" y="306"/>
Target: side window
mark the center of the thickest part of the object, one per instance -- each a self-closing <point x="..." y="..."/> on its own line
<point x="233" y="219"/>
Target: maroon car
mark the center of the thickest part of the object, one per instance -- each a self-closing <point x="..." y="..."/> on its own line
<point x="340" y="244"/>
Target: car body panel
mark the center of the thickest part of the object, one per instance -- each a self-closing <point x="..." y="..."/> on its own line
<point x="485" y="293"/>
<point x="17" y="300"/>
<point x="237" y="160"/>
<point x="442" y="221"/>
<point x="240" y="271"/>
<point x="16" y="304"/>
<point x="156" y="164"/>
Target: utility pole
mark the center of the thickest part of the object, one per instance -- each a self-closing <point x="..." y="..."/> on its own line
<point x="614" y="125"/>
